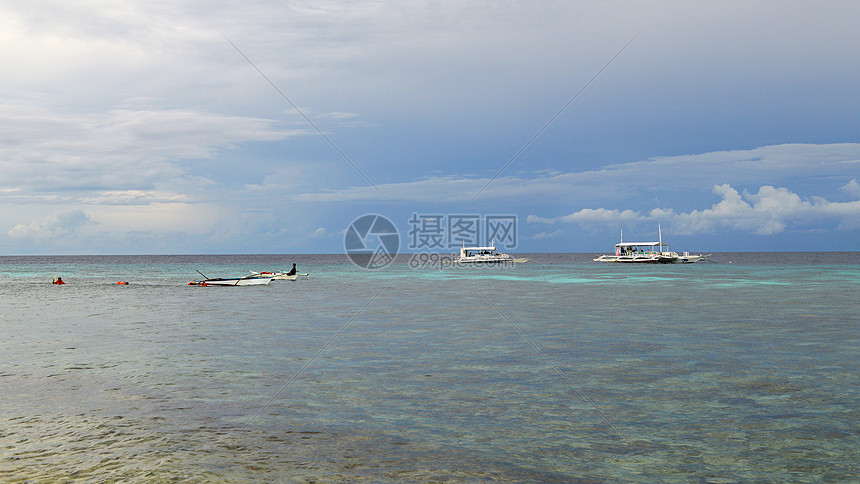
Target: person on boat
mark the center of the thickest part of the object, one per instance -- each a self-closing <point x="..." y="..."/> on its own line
<point x="293" y="270"/>
<point x="58" y="280"/>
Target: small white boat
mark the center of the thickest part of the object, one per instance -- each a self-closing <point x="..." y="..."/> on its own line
<point x="649" y="253"/>
<point x="251" y="280"/>
<point x="278" y="276"/>
<point x="485" y="255"/>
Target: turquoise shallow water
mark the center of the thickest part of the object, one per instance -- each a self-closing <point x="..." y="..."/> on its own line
<point x="560" y="369"/>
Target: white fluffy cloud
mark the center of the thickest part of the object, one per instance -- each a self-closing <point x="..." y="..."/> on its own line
<point x="587" y="215"/>
<point x="852" y="188"/>
<point x="769" y="211"/>
<point x="547" y="235"/>
<point x="59" y="225"/>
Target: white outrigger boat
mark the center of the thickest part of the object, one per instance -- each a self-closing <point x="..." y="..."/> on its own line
<point x="278" y="276"/>
<point x="489" y="255"/>
<point x="649" y="253"/>
<point x="251" y="280"/>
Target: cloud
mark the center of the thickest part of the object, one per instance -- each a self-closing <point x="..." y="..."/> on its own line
<point x="144" y="116"/>
<point x="115" y="150"/>
<point x="133" y="197"/>
<point x="769" y="211"/>
<point x="59" y="225"/>
<point x="337" y="115"/>
<point x="658" y="175"/>
<point x="161" y="217"/>
<point x="852" y="188"/>
<point x="587" y="215"/>
<point x="547" y="235"/>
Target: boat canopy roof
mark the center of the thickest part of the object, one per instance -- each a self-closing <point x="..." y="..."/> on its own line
<point x="641" y="244"/>
<point x="472" y="249"/>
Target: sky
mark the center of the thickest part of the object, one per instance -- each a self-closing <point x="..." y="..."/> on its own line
<point x="191" y="127"/>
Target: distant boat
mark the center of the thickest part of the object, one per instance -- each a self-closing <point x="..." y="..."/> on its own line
<point x="485" y="255"/>
<point x="282" y="276"/>
<point x="649" y="253"/>
<point x="251" y="280"/>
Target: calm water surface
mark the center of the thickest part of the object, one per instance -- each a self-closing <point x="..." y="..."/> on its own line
<point x="560" y="369"/>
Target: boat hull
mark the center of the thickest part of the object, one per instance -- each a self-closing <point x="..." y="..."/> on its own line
<point x="652" y="259"/>
<point x="279" y="276"/>
<point x="689" y="259"/>
<point x="492" y="261"/>
<point x="243" y="281"/>
<point x="637" y="259"/>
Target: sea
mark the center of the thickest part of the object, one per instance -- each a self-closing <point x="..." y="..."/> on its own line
<point x="744" y="369"/>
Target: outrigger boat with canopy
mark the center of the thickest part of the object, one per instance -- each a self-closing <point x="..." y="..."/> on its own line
<point x="487" y="254"/>
<point x="649" y="253"/>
